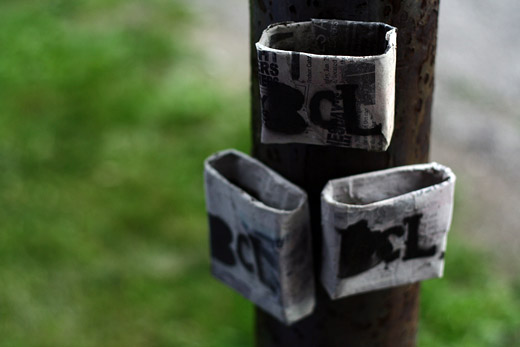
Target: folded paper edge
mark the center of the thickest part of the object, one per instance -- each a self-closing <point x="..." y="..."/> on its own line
<point x="390" y="37"/>
<point x="327" y="192"/>
<point x="280" y="179"/>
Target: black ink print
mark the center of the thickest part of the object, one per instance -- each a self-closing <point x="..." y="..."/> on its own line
<point x="221" y="238"/>
<point x="363" y="249"/>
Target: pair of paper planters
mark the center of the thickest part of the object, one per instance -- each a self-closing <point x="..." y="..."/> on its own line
<point x="379" y="229"/>
<point x="328" y="82"/>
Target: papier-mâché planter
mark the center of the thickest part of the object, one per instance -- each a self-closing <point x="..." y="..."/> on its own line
<point x="328" y="82"/>
<point x="260" y="235"/>
<point x="385" y="228"/>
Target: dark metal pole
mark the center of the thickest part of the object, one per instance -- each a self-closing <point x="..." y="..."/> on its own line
<point x="381" y="318"/>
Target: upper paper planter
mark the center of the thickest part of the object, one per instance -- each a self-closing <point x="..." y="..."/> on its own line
<point x="328" y="82"/>
<point x="260" y="235"/>
<point x="385" y="228"/>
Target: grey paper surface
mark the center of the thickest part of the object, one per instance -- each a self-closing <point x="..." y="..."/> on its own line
<point x="259" y="234"/>
<point x="385" y="228"/>
<point x="328" y="82"/>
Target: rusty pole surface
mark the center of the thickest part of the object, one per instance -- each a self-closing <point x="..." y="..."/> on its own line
<point x="382" y="318"/>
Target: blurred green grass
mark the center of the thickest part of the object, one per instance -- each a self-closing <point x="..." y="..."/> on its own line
<point x="106" y="114"/>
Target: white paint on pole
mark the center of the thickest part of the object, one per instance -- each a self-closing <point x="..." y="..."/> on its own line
<point x="260" y="235"/>
<point x="328" y="82"/>
<point x="385" y="228"/>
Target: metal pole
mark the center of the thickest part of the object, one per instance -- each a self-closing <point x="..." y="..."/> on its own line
<point x="381" y="318"/>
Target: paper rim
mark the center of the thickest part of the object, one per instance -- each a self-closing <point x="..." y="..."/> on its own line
<point x="327" y="192"/>
<point x="392" y="31"/>
<point x="258" y="203"/>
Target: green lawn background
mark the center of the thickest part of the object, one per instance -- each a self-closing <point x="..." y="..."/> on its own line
<point x="106" y="115"/>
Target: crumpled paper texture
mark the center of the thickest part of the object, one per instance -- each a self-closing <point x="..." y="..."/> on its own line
<point x="260" y="235"/>
<point x="385" y="228"/>
<point x="328" y="82"/>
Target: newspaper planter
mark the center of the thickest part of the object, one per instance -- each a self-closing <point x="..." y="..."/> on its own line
<point x="328" y="82"/>
<point x="385" y="228"/>
<point x="259" y="234"/>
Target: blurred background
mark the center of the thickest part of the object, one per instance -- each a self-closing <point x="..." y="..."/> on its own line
<point x="107" y="111"/>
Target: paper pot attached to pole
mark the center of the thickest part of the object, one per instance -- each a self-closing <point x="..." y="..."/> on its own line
<point x="260" y="235"/>
<point x="385" y="228"/>
<point x="328" y="82"/>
